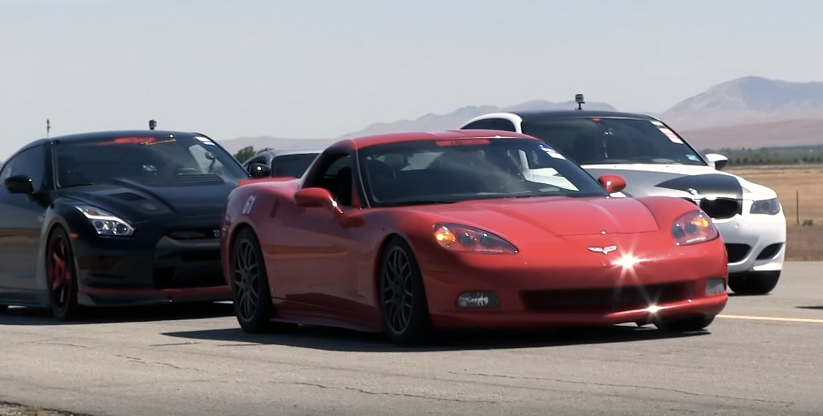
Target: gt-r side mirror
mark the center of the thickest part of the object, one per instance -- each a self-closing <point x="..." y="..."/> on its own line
<point x="259" y="170"/>
<point x="19" y="185"/>
<point x="719" y="161"/>
<point x="612" y="183"/>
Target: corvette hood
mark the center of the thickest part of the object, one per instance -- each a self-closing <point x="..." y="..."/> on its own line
<point x="557" y="216"/>
<point x="682" y="181"/>
<point x="137" y="200"/>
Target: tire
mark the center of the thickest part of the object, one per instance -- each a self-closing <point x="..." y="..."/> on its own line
<point x="251" y="296"/>
<point x="3" y="308"/>
<point x="61" y="276"/>
<point x="759" y="283"/>
<point x="689" y="324"/>
<point x="402" y="296"/>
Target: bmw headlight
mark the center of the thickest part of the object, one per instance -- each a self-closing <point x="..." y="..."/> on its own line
<point x="105" y="223"/>
<point x="766" y="206"/>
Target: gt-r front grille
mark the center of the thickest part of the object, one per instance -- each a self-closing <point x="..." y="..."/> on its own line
<point x="194" y="234"/>
<point x="604" y="300"/>
<point x="721" y="208"/>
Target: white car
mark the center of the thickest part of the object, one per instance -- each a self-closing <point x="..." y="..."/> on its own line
<point x="655" y="160"/>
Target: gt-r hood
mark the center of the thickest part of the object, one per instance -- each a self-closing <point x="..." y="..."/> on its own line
<point x="682" y="181"/>
<point x="141" y="199"/>
<point x="559" y="216"/>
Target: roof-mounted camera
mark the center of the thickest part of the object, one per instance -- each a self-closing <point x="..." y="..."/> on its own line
<point x="152" y="124"/>
<point x="578" y="98"/>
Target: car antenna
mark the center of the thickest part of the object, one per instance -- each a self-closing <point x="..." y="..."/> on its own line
<point x="152" y="124"/>
<point x="579" y="99"/>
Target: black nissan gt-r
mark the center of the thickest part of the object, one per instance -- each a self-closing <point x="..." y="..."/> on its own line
<point x="114" y="219"/>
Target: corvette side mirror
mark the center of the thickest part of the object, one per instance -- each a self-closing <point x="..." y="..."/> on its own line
<point x="612" y="183"/>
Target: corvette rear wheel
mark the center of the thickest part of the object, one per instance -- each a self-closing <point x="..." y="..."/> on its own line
<point x="689" y="324"/>
<point x="250" y="285"/>
<point x="61" y="276"/>
<point x="402" y="296"/>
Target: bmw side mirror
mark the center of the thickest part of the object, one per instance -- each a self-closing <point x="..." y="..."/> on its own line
<point x="259" y="170"/>
<point x="719" y="161"/>
<point x="19" y="185"/>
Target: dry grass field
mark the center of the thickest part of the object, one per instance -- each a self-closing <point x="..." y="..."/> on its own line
<point x="797" y="187"/>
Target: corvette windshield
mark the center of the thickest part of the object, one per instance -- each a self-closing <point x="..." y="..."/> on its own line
<point x="81" y="163"/>
<point x="594" y="140"/>
<point x="437" y="171"/>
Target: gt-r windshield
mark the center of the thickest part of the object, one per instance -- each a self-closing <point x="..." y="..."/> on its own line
<point x="602" y="140"/>
<point x="87" y="162"/>
<point x="442" y="171"/>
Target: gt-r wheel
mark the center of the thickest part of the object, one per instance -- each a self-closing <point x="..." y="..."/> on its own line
<point x="690" y="324"/>
<point x="61" y="276"/>
<point x="402" y="296"/>
<point x="758" y="283"/>
<point x="250" y="285"/>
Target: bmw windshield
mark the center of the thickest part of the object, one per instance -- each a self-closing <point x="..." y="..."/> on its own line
<point x="603" y="140"/>
<point x="443" y="171"/>
<point x="87" y="162"/>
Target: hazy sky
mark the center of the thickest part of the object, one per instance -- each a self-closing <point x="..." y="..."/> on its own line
<point x="323" y="68"/>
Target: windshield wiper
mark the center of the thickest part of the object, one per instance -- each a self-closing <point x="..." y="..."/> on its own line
<point x="422" y="202"/>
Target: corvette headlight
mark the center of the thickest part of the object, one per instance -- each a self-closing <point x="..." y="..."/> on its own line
<point x="692" y="228"/>
<point x="766" y="206"/>
<point x="105" y="223"/>
<point x="468" y="239"/>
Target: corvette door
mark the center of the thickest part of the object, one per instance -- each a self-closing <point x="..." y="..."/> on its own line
<point x="314" y="261"/>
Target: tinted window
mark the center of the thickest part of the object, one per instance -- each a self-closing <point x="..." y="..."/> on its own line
<point x="594" y="140"/>
<point x="93" y="162"/>
<point x="457" y="170"/>
<point x="292" y="165"/>
<point x="31" y="163"/>
<point x="491" y="124"/>
<point x="335" y="175"/>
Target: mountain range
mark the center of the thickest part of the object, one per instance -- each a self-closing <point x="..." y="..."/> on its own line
<point x="745" y="112"/>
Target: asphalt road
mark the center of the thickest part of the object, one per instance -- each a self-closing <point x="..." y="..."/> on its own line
<point x="760" y="357"/>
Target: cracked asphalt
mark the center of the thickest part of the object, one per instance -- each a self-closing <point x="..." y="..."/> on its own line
<point x="761" y="357"/>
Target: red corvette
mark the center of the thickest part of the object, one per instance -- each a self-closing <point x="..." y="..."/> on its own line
<point x="405" y="233"/>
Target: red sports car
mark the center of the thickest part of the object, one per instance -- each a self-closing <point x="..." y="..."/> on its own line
<point x="405" y="233"/>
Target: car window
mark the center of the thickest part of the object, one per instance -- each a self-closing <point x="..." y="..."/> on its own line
<point x="335" y="174"/>
<point x="457" y="170"/>
<point x="491" y="124"/>
<point x="292" y="165"/>
<point x="605" y="140"/>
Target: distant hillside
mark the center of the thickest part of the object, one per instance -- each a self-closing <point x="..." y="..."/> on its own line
<point x="748" y="100"/>
<point x="438" y="122"/>
<point x="748" y="111"/>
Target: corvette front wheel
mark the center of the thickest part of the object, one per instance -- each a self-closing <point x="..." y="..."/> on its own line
<point x="689" y="324"/>
<point x="250" y="285"/>
<point x="402" y="296"/>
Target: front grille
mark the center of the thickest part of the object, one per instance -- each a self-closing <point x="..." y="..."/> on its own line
<point x="737" y="252"/>
<point x="721" y="208"/>
<point x="194" y="234"/>
<point x="604" y="300"/>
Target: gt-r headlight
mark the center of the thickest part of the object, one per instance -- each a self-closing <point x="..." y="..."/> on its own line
<point x="468" y="239"/>
<point x="766" y="206"/>
<point x="692" y="228"/>
<point x="105" y="223"/>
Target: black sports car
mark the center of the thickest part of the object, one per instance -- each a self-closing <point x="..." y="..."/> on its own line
<point x="114" y="218"/>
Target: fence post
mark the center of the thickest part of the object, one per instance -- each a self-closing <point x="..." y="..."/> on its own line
<point x="797" y="205"/>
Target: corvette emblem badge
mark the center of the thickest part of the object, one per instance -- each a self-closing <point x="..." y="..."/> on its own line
<point x="604" y="250"/>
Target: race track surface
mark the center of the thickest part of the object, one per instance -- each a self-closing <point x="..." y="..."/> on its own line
<point x="762" y="356"/>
